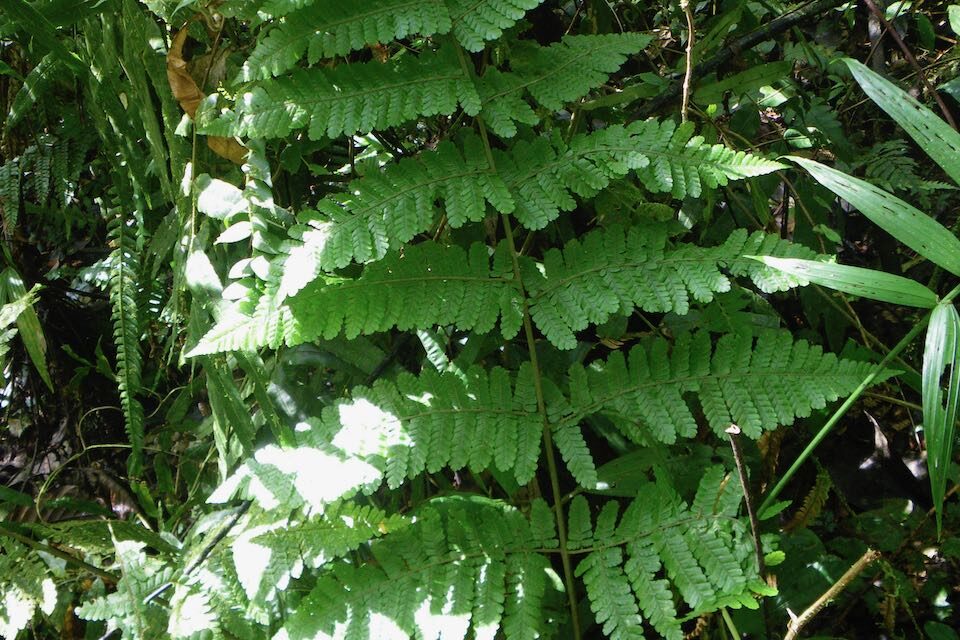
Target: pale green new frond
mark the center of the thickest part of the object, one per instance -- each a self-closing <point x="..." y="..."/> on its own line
<point x="329" y="28"/>
<point x="552" y="76"/>
<point x="462" y="567"/>
<point x="358" y="97"/>
<point x="476" y="21"/>
<point x="124" y="270"/>
<point x="683" y="165"/>
<point x="757" y="383"/>
<point x="385" y="209"/>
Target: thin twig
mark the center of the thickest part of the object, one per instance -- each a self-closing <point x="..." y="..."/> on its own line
<point x="688" y="64"/>
<point x="734" y="432"/>
<point x="797" y="623"/>
<point x="913" y="61"/>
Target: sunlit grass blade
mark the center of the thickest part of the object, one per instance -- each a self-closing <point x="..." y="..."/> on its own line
<point x="928" y="130"/>
<point x="28" y="324"/>
<point x="940" y="356"/>
<point x="867" y="283"/>
<point x="904" y="222"/>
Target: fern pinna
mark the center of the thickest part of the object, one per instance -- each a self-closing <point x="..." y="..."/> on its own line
<point x="456" y="203"/>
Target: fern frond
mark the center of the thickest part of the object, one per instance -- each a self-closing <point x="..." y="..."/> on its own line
<point x="25" y="587"/>
<point x="124" y="269"/>
<point x="383" y="210"/>
<point x="397" y="430"/>
<point x="328" y="28"/>
<point x="35" y="87"/>
<point x="352" y="98"/>
<point x="614" y="270"/>
<point x="124" y="610"/>
<point x="681" y="164"/>
<point x="476" y="21"/>
<point x="461" y="565"/>
<point x="10" y="173"/>
<point x="428" y="284"/>
<point x="552" y="76"/>
<point x="756" y="383"/>
<point x="291" y="544"/>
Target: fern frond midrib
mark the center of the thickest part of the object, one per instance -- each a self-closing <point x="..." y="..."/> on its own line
<point x="392" y="282"/>
<point x="564" y="160"/>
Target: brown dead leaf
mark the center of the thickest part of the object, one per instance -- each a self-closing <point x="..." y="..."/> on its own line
<point x="189" y="96"/>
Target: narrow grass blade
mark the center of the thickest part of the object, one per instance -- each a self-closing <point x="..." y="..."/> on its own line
<point x="907" y="224"/>
<point x="928" y="130"/>
<point x="940" y="356"/>
<point x="867" y="283"/>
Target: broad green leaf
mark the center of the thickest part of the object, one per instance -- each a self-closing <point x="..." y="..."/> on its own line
<point x="940" y="357"/>
<point x="953" y="12"/>
<point x="904" y="222"/>
<point x="29" y="326"/>
<point x="867" y="283"/>
<point x="929" y="131"/>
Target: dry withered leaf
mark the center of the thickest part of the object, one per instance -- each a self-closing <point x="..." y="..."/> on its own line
<point x="189" y="95"/>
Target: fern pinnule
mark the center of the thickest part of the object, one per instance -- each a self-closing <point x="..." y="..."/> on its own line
<point x="553" y="76"/>
<point x="757" y="383"/>
<point x="329" y="28"/>
<point x="476" y="21"/>
<point x="383" y="210"/>
<point x="338" y="101"/>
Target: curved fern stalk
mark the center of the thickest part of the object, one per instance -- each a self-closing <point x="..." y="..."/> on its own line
<point x="756" y="383"/>
<point x="552" y="76"/>
<point x="124" y="270"/>
<point x="329" y="28"/>
<point x="332" y="102"/>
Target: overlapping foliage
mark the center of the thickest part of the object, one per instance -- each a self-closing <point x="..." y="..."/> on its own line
<point x="450" y="355"/>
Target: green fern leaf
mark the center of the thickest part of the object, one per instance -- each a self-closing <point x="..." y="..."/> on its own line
<point x="610" y="596"/>
<point x="612" y="271"/>
<point x="383" y="210"/>
<point x="124" y="269"/>
<point x="397" y="430"/>
<point x="327" y="28"/>
<point x="352" y="98"/>
<point x="35" y="87"/>
<point x="552" y="76"/>
<point x="579" y="524"/>
<point x="10" y="173"/>
<point x="756" y="383"/>
<point x="450" y="570"/>
<point x="125" y="610"/>
<point x="475" y="21"/>
<point x="293" y="544"/>
<point x="683" y="165"/>
<point x="25" y="587"/>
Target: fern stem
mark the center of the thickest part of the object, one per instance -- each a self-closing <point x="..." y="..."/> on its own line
<point x="541" y="402"/>
<point x="63" y="555"/>
<point x="842" y="410"/>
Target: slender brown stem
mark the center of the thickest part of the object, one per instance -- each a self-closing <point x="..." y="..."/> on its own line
<point x="688" y="63"/>
<point x="734" y="432"/>
<point x="875" y="10"/>
<point x="795" y="625"/>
